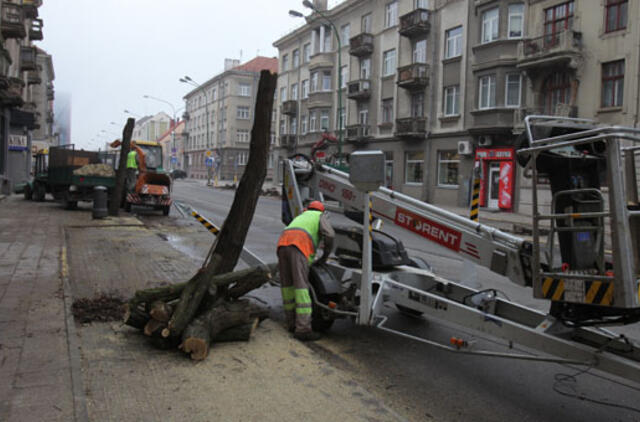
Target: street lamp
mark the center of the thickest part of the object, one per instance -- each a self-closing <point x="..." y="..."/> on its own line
<point x="132" y="113"/>
<point x="296" y="14"/>
<point x="188" y="80"/>
<point x="173" y="129"/>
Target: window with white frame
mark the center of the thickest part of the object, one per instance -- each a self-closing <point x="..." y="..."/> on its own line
<point x="345" y="34"/>
<point x="242" y="135"/>
<point x="326" y="80"/>
<point x="344" y="76"/>
<point x="516" y="20"/>
<point x="391" y="14"/>
<point x="244" y="90"/>
<point x="452" y="100"/>
<point x="315" y="79"/>
<point x="453" y="42"/>
<point x="303" y="124"/>
<point x="305" y="88"/>
<point x="487" y="92"/>
<point x="283" y="94"/>
<point x="448" y="164"/>
<point x="214" y="94"/>
<point x="283" y="127"/>
<point x="414" y="167"/>
<point x="242" y="158"/>
<point x="295" y="58"/>
<point x="294" y="91"/>
<point x="513" y="89"/>
<point x="306" y="53"/>
<point x="327" y="39"/>
<point x="365" y="68"/>
<point x="365" y="23"/>
<point x="324" y="120"/>
<point x="313" y="121"/>
<point x="272" y="137"/>
<point x="343" y="117"/>
<point x="422" y="4"/>
<point x="243" y="112"/>
<point x="363" y="114"/>
<point x="417" y="104"/>
<point x="420" y="51"/>
<point x="387" y="110"/>
<point x="293" y="126"/>
<point x="389" y="62"/>
<point x="285" y="62"/>
<point x="490" y="20"/>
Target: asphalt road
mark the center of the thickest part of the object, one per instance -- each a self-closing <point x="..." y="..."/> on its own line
<point x="419" y="381"/>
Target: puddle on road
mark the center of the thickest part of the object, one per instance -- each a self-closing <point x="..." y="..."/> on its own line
<point x="181" y="244"/>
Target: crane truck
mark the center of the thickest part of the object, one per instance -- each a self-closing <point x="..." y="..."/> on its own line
<point x="587" y="286"/>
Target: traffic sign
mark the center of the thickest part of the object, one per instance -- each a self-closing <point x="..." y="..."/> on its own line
<point x="208" y="153"/>
<point x="174" y="160"/>
<point x="208" y="162"/>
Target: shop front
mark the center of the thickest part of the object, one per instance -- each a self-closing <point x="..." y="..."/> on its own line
<point x="497" y="174"/>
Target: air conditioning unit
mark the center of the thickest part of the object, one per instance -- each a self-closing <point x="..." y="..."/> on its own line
<point x="464" y="148"/>
<point x="485" y="141"/>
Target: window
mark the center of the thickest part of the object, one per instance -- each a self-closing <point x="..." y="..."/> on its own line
<point x="345" y="34"/>
<point x="421" y="4"/>
<point x="556" y="90"/>
<point x="389" y="63"/>
<point x="244" y="90"/>
<point x="387" y="110"/>
<point x="391" y="14"/>
<point x="448" y="162"/>
<point x="314" y="82"/>
<point x="283" y="130"/>
<point x="453" y="42"/>
<point x="512" y="90"/>
<point x="285" y="62"/>
<point x="363" y="114"/>
<point x="306" y="53"/>
<point x="343" y="117"/>
<point x="417" y="104"/>
<point x="388" y="169"/>
<point x="327" y="39"/>
<point x="612" y="84"/>
<point x="365" y="23"/>
<point x="344" y="76"/>
<point x="305" y="88"/>
<point x="365" y="68"/>
<point x="243" y="112"/>
<point x="242" y="158"/>
<point x="242" y="135"/>
<point x="295" y="58"/>
<point x="516" y="19"/>
<point x="420" y="51"/>
<point x="414" y="165"/>
<point x="616" y="15"/>
<point x="490" y="20"/>
<point x="324" y="120"/>
<point x="313" y="121"/>
<point x="452" y="100"/>
<point x="303" y="124"/>
<point x="214" y="94"/>
<point x="294" y="91"/>
<point x="487" y="94"/>
<point x="293" y="126"/>
<point x="283" y="94"/>
<point x="326" y="81"/>
<point x="557" y="19"/>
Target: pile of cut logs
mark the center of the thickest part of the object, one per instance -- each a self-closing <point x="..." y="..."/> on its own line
<point x="210" y="306"/>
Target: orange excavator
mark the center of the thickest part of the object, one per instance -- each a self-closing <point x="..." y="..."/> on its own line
<point x="153" y="185"/>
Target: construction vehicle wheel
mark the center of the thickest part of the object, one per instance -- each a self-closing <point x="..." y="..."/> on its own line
<point x="166" y="209"/>
<point x="320" y="319"/>
<point x="28" y="194"/>
<point x="39" y="192"/>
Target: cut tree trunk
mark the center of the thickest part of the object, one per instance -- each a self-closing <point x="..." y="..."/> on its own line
<point x="238" y="333"/>
<point x="134" y="316"/>
<point x="118" y="189"/>
<point x="154" y="327"/>
<point x="160" y="311"/>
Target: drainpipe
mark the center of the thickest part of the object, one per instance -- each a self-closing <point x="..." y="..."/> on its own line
<point x="433" y="109"/>
<point x="635" y="119"/>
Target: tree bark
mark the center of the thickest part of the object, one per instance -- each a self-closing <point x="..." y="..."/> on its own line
<point x="229" y="242"/>
<point x="160" y="311"/>
<point x="238" y="333"/>
<point x="134" y="317"/>
<point x="114" y="205"/>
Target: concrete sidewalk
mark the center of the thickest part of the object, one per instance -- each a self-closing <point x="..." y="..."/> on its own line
<point x="56" y="369"/>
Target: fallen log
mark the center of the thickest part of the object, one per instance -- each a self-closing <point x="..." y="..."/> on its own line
<point x="134" y="316"/>
<point x="154" y="327"/>
<point x="238" y="333"/>
<point x="160" y="311"/>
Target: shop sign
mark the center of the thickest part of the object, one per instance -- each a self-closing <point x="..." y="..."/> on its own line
<point x="494" y="154"/>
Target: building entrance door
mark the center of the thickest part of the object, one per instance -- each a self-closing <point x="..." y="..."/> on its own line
<point x="494" y="185"/>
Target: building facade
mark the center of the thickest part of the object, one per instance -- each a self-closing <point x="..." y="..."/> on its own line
<point x="43" y="95"/>
<point x="173" y="146"/>
<point x="21" y="79"/>
<point x="150" y="128"/>
<point x="444" y="85"/>
<point x="219" y="118"/>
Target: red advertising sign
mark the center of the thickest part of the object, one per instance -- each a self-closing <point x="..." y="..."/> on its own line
<point x="506" y="185"/>
<point x="494" y="154"/>
<point x="429" y="229"/>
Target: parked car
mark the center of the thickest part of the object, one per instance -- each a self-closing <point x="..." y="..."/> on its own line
<point x="178" y="174"/>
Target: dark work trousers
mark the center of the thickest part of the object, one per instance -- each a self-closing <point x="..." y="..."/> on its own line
<point x="294" y="279"/>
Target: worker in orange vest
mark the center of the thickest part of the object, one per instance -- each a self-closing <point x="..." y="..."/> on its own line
<point x="296" y="251"/>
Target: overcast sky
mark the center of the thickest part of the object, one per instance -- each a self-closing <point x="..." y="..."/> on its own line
<point x="109" y="53"/>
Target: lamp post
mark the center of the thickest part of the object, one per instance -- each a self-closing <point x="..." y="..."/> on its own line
<point x="173" y="128"/>
<point x="296" y="14"/>
<point x="132" y="113"/>
<point x="188" y="80"/>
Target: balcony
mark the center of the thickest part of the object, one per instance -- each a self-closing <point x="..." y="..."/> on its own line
<point x="12" y="96"/>
<point x="357" y="133"/>
<point x="361" y="45"/>
<point x="561" y="48"/>
<point x="288" y="141"/>
<point x="12" y="22"/>
<point x="561" y="110"/>
<point x="31" y="8"/>
<point x="49" y="118"/>
<point x="35" y="32"/>
<point x="50" y="93"/>
<point x="28" y="59"/>
<point x="359" y="90"/>
<point x="411" y="127"/>
<point x="33" y="77"/>
<point x="415" y="23"/>
<point x="413" y="76"/>
<point x="290" y="108"/>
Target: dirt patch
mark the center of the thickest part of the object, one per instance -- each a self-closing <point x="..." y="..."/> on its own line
<point x="102" y="308"/>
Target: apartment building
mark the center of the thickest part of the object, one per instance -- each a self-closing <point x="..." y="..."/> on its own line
<point x="150" y="128"/>
<point x="20" y="83"/>
<point x="219" y="118"/>
<point x="43" y="95"/>
<point x="172" y="143"/>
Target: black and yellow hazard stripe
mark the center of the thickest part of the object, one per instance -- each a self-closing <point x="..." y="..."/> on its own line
<point x="213" y="229"/>
<point x="475" y="199"/>
<point x="595" y="292"/>
<point x="370" y="219"/>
